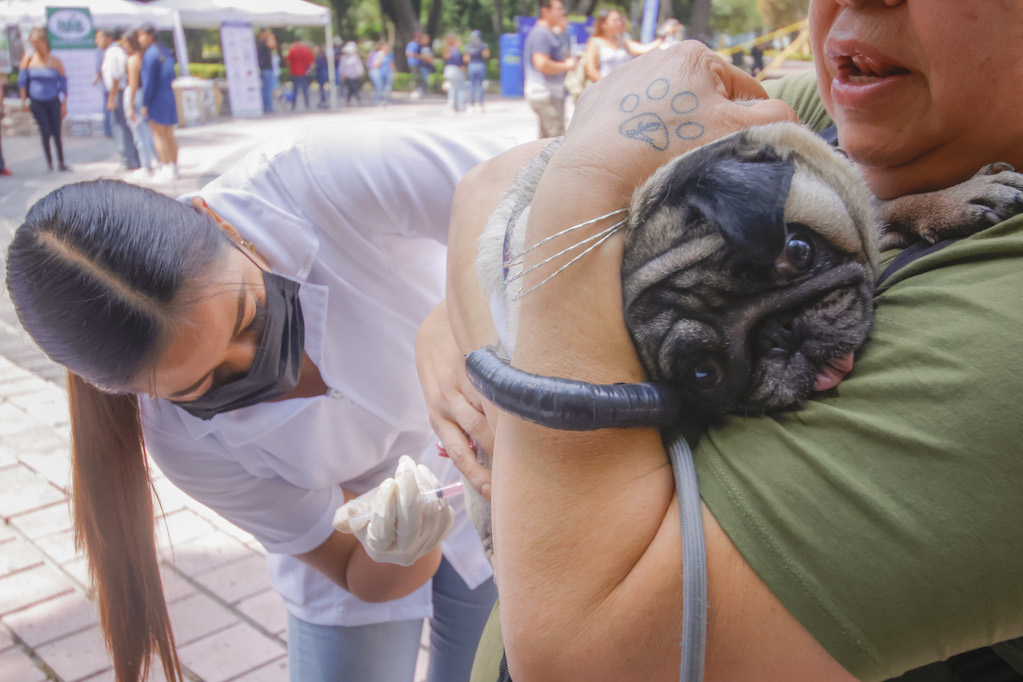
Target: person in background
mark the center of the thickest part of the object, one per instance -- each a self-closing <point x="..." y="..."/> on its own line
<point x="546" y="61"/>
<point x="322" y="74"/>
<point x="610" y="46"/>
<point x="352" y="71"/>
<point x="477" y="53"/>
<point x="412" y="51"/>
<point x="4" y="171"/>
<point x="300" y="58"/>
<point x="42" y="84"/>
<point x="266" y="44"/>
<point x="425" y="61"/>
<point x="672" y="32"/>
<point x="159" y="105"/>
<point x="381" y="73"/>
<point x="757" y="55"/>
<point x="108" y="130"/>
<point x="142" y="134"/>
<point x="115" y="79"/>
<point x="454" y="73"/>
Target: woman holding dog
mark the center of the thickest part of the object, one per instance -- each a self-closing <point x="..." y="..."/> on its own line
<point x="877" y="530"/>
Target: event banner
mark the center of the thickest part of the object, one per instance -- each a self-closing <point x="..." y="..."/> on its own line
<point x="241" y="67"/>
<point x="72" y="41"/>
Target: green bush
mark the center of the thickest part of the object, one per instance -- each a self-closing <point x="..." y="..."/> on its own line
<point x="210" y="71"/>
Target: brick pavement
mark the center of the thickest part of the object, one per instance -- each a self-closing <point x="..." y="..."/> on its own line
<point x="228" y="622"/>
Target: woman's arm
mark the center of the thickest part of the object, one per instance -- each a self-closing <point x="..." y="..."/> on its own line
<point x="592" y="59"/>
<point x="637" y="48"/>
<point x="588" y="547"/>
<point x="344" y="560"/>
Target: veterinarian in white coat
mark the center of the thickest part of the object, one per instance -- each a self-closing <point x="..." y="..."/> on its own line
<point x="358" y="221"/>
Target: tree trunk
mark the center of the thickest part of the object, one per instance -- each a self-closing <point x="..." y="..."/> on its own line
<point x="343" y="23"/>
<point x="498" y="18"/>
<point x="406" y="23"/>
<point x="433" y="19"/>
<point x="699" y="21"/>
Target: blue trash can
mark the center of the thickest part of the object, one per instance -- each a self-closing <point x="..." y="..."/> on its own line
<point x="511" y="65"/>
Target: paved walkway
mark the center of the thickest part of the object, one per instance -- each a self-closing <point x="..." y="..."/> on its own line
<point x="228" y="623"/>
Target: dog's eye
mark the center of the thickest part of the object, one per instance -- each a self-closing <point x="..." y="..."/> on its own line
<point x="704" y="373"/>
<point x="796" y="258"/>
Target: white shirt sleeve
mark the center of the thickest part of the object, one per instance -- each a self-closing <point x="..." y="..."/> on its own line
<point x="284" y="518"/>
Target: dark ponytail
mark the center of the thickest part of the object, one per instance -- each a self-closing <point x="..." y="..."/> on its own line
<point x="98" y="273"/>
<point x="113" y="518"/>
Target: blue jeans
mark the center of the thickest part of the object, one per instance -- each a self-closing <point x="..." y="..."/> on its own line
<point x="477" y="72"/>
<point x="383" y="81"/>
<point x="266" y="77"/>
<point x="301" y="83"/>
<point x="386" y="652"/>
<point x="143" y="136"/>
<point x="122" y="135"/>
<point x="424" y="75"/>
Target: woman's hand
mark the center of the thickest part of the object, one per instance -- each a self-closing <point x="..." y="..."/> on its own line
<point x="63" y="109"/>
<point x="657" y="106"/>
<point x="455" y="407"/>
<point x="395" y="522"/>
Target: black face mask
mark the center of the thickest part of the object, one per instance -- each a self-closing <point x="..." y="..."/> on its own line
<point x="275" y="369"/>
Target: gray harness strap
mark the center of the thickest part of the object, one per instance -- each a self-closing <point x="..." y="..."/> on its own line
<point x="694" y="560"/>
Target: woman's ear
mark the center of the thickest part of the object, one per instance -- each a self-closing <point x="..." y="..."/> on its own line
<point x="199" y="204"/>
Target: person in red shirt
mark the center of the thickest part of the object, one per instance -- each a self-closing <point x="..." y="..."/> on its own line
<point x="300" y="58"/>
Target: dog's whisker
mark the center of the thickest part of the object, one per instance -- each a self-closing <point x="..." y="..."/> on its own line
<point x="518" y="258"/>
<point x="606" y="235"/>
<point x="603" y="234"/>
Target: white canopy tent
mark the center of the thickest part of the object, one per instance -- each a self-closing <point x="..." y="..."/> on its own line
<point x="104" y="13"/>
<point x="210" y="14"/>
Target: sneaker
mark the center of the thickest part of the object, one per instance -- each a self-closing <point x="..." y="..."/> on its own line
<point x="5" y="172"/>
<point x="164" y="174"/>
<point x="139" y="176"/>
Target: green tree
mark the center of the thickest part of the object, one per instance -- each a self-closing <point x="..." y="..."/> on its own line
<point x="735" y="16"/>
<point x="779" y="13"/>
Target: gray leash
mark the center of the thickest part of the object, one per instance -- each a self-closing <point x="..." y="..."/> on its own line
<point x="694" y="560"/>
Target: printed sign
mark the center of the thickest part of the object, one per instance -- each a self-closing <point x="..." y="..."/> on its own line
<point x="243" y="83"/>
<point x="73" y="42"/>
<point x="70" y="28"/>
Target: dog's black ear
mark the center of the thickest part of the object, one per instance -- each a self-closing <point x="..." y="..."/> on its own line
<point x="745" y="199"/>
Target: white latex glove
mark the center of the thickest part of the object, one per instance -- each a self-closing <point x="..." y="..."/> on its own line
<point x="394" y="522"/>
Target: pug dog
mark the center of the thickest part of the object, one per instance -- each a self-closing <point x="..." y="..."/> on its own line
<point x="748" y="276"/>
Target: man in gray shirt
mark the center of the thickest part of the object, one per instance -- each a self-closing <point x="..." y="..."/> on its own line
<point x="545" y="64"/>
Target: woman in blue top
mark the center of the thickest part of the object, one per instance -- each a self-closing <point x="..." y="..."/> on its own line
<point x="158" y="103"/>
<point x="477" y="53"/>
<point x="381" y="73"/>
<point x="454" y="72"/>
<point x="41" y="80"/>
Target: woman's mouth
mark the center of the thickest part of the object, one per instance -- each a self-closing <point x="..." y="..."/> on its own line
<point x="860" y="69"/>
<point x="863" y="77"/>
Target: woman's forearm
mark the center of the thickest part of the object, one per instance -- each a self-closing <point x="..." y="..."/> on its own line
<point x="342" y="559"/>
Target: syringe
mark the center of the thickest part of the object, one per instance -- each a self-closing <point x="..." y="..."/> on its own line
<point x="444" y="492"/>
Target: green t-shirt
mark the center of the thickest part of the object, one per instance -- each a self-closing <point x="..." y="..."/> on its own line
<point x="886" y="515"/>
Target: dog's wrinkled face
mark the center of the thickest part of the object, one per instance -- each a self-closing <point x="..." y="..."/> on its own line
<point x="748" y="270"/>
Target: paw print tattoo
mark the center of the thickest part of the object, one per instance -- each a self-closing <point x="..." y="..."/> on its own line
<point x="649" y="126"/>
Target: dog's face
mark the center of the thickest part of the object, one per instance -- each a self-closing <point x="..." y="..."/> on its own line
<point x="749" y="268"/>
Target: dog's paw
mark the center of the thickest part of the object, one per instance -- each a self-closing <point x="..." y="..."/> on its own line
<point x="652" y="116"/>
<point x="991" y="196"/>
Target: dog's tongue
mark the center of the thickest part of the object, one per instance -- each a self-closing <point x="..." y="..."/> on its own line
<point x="833" y="372"/>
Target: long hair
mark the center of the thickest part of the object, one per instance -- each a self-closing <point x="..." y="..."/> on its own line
<point x="99" y="273"/>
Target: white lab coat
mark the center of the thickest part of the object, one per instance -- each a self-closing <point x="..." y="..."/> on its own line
<point x="359" y="217"/>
